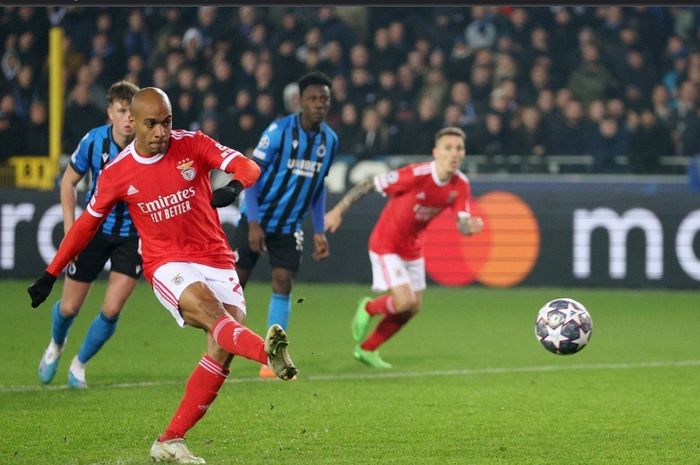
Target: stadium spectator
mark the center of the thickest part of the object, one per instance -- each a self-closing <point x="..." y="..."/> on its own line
<point x="608" y="141"/>
<point x="294" y="153"/>
<point x="186" y="256"/>
<point x="616" y="108"/>
<point x="11" y="136"/>
<point x="373" y="137"/>
<point x="10" y="64"/>
<point x="245" y="130"/>
<point x="384" y="57"/>
<point x="105" y="51"/>
<point x="36" y="132"/>
<point x="591" y="80"/>
<point x="333" y="61"/>
<point x="638" y="79"/>
<point x="224" y="87"/>
<point x="137" y="40"/>
<point x="538" y="80"/>
<point x="81" y="116"/>
<point x="596" y="111"/>
<point x="290" y="29"/>
<point x="460" y="95"/>
<point x="481" y="31"/>
<point x="312" y="41"/>
<point x="436" y="86"/>
<point x="415" y="136"/>
<point x="349" y="131"/>
<point x="417" y="193"/>
<point x="170" y="23"/>
<point x="649" y="141"/>
<point x="266" y="109"/>
<point x="285" y="62"/>
<point x="528" y="137"/>
<point x="571" y="134"/>
<point x="397" y="39"/>
<point x="135" y="69"/>
<point x="28" y="50"/>
<point x="24" y="92"/>
<point x="480" y="81"/>
<point x="86" y="77"/>
<point x="334" y="28"/>
<point x="117" y="241"/>
<point x="490" y="137"/>
<point x="661" y="105"/>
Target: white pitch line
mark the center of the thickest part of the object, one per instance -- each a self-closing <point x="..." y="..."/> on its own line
<point x="388" y="374"/>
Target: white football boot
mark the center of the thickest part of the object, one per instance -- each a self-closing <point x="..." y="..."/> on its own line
<point x="173" y="451"/>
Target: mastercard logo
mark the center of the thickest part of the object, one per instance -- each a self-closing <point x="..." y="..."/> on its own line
<point x="501" y="255"/>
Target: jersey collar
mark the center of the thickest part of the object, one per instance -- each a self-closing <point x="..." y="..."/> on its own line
<point x="145" y="160"/>
<point x="436" y="179"/>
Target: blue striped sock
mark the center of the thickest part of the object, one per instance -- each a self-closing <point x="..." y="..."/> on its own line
<point x="59" y="324"/>
<point x="101" y="329"/>
<point x="279" y="310"/>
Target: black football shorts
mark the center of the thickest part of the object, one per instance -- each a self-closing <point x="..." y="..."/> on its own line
<point x="284" y="250"/>
<point x="123" y="251"/>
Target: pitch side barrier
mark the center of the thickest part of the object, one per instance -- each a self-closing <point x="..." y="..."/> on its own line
<point x="632" y="232"/>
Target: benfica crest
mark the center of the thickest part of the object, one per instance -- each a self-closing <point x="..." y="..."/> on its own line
<point x="186" y="169"/>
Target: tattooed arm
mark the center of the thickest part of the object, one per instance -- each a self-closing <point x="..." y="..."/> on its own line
<point x="334" y="217"/>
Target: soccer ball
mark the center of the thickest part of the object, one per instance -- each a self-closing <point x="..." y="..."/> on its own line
<point x="563" y="326"/>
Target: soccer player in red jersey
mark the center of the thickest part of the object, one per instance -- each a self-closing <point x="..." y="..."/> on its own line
<point x="417" y="193"/>
<point x="163" y="176"/>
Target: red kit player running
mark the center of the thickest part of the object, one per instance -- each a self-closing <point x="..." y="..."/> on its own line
<point x="417" y="193"/>
<point x="163" y="176"/>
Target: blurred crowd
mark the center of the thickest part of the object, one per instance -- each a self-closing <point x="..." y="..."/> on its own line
<point x="598" y="80"/>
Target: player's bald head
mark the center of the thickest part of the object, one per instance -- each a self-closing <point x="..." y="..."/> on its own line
<point x="148" y="100"/>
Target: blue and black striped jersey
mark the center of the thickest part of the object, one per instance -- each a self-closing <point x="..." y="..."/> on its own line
<point x="94" y="151"/>
<point x="294" y="165"/>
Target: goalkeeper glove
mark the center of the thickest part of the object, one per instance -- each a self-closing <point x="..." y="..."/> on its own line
<point x="41" y="288"/>
<point x="224" y="196"/>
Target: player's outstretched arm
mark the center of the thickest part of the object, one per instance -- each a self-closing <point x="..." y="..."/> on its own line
<point x="75" y="241"/>
<point x="469" y="225"/>
<point x="334" y="217"/>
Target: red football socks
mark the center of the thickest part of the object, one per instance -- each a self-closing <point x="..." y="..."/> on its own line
<point x="383" y="304"/>
<point x="200" y="391"/>
<point x="236" y="339"/>
<point x="386" y="328"/>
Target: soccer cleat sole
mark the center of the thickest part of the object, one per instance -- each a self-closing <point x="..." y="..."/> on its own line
<point x="276" y="343"/>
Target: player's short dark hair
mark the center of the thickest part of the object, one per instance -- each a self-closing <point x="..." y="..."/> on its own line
<point x="450" y="131"/>
<point x="121" y="91"/>
<point x="314" y="77"/>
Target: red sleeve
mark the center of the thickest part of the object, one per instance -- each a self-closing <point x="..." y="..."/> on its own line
<point x="86" y="225"/>
<point x="244" y="169"/>
<point x="220" y="157"/>
<point x="394" y="181"/>
<point x="75" y="241"/>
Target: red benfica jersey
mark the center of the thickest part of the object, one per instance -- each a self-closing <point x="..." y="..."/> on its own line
<point x="416" y="196"/>
<point x="168" y="196"/>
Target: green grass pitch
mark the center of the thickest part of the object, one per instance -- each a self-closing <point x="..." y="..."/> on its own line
<point x="470" y="384"/>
